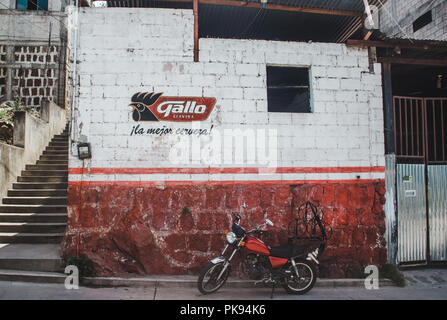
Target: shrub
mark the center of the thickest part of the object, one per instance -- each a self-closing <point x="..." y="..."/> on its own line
<point x="84" y="264"/>
<point x="391" y="272"/>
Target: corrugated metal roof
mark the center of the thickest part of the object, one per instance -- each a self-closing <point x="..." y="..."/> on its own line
<point x="219" y="21"/>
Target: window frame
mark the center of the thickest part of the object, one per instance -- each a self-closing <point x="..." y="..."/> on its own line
<point x="23" y="5"/>
<point x="309" y="87"/>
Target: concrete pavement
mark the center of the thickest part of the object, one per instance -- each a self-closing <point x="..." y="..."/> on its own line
<point x="422" y="285"/>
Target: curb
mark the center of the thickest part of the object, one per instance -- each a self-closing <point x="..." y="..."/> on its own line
<point x="162" y="281"/>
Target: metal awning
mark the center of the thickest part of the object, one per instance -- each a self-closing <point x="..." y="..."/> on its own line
<point x="285" y="20"/>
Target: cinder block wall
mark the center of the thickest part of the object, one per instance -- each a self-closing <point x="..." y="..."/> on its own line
<point x="405" y="12"/>
<point x="333" y="156"/>
<point x="32" y="54"/>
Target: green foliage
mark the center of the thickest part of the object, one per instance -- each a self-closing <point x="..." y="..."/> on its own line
<point x="84" y="264"/>
<point x="3" y="114"/>
<point x="8" y="108"/>
<point x="186" y="210"/>
<point x="391" y="272"/>
<point x="6" y="115"/>
<point x="17" y="104"/>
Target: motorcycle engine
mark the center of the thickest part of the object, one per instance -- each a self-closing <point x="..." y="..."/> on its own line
<point x="256" y="266"/>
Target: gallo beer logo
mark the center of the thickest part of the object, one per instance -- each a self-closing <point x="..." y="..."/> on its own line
<point x="153" y="107"/>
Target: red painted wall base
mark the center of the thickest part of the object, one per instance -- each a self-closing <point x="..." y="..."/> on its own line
<point x="144" y="229"/>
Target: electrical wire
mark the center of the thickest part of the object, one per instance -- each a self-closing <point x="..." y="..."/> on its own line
<point x="13" y="12"/>
<point x="430" y="7"/>
<point x="250" y="24"/>
<point x="51" y="16"/>
<point x="395" y="21"/>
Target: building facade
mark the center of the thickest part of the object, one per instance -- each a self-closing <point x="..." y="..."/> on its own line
<point x="415" y="19"/>
<point x="33" y="51"/>
<point x="158" y="192"/>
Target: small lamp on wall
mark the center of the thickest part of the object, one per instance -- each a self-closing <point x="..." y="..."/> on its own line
<point x="84" y="151"/>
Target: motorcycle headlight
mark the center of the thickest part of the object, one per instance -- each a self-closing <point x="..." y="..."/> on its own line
<point x="231" y="237"/>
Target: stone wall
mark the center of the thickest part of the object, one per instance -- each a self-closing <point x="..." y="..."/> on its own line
<point x="142" y="228"/>
<point x="127" y="204"/>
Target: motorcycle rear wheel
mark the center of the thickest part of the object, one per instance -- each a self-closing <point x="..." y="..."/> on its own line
<point x="207" y="282"/>
<point x="304" y="282"/>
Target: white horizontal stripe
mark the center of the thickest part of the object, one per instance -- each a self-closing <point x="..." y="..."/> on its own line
<point x="229" y="177"/>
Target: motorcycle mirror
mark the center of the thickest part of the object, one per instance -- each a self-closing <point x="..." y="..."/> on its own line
<point x="269" y="223"/>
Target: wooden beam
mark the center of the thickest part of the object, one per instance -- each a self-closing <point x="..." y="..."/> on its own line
<point x="196" y="30"/>
<point x="388" y="109"/>
<point x="421" y="62"/>
<point x="400" y="44"/>
<point x="258" y="5"/>
<point x="367" y="35"/>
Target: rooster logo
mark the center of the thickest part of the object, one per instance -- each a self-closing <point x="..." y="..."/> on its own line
<point x="140" y="104"/>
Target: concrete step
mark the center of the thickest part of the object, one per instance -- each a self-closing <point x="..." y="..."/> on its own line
<point x="54" y="152"/>
<point x="38" y="193"/>
<point x="56" y="149"/>
<point x="44" y="173"/>
<point x="32" y="227"/>
<point x="36" y="200"/>
<point x="37" y="185"/>
<point x="52" y="162"/>
<point x="46" y="167"/>
<point x="7" y="237"/>
<point x="31" y="257"/>
<point x="58" y="144"/>
<point x="48" y="179"/>
<point x="34" y="217"/>
<point x="32" y="276"/>
<point x="46" y="157"/>
<point x="48" y="200"/>
<point x="39" y="265"/>
<point x="9" y="208"/>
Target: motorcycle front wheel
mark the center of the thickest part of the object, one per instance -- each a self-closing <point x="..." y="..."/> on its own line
<point x="304" y="281"/>
<point x="208" y="282"/>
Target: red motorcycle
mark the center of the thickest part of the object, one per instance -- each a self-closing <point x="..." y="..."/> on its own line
<point x="293" y="266"/>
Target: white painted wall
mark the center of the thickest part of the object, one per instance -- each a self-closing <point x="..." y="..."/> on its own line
<point x="37" y="134"/>
<point x="126" y="50"/>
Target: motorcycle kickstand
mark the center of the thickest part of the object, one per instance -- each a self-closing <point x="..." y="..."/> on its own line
<point x="273" y="290"/>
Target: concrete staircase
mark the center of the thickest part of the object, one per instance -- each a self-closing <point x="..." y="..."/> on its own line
<point x="33" y="216"/>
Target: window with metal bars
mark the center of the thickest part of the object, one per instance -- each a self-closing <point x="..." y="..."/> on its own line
<point x="288" y="89"/>
<point x="32" y="5"/>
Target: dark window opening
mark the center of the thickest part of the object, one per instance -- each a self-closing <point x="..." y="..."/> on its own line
<point x="422" y="21"/>
<point x="288" y="89"/>
<point x="32" y="5"/>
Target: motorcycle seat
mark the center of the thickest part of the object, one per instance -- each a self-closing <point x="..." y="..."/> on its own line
<point x="281" y="252"/>
<point x="292" y="250"/>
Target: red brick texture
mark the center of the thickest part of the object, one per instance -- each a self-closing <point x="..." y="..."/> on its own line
<point x="144" y="229"/>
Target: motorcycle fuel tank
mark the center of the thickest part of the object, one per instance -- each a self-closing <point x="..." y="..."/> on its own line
<point x="257" y="246"/>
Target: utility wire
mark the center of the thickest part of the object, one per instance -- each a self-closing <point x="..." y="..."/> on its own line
<point x="429" y="8"/>
<point x="395" y="21"/>
<point x="59" y="20"/>
<point x="251" y="23"/>
<point x="31" y="23"/>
